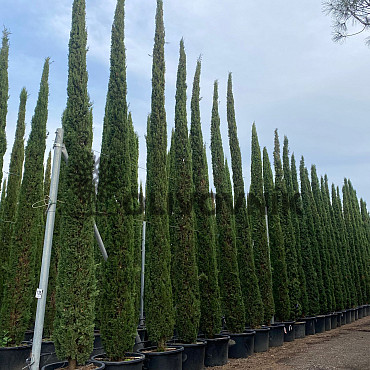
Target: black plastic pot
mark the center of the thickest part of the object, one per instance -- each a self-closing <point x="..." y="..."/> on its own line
<point x="299" y="329"/>
<point x="327" y="322"/>
<point x="168" y="360"/>
<point x="241" y="345"/>
<point x="193" y="354"/>
<point x="14" y="358"/>
<point x="217" y="350"/>
<point x="340" y="315"/>
<point x="348" y="316"/>
<point x="320" y="324"/>
<point x="143" y="334"/>
<point x="134" y="364"/>
<point x="353" y="314"/>
<point x="356" y="313"/>
<point x="261" y="339"/>
<point x="28" y="335"/>
<point x="289" y="331"/>
<point x="47" y="346"/>
<point x="58" y="365"/>
<point x="276" y="335"/>
<point x="360" y="312"/>
<point x="334" y="320"/>
<point x="310" y="325"/>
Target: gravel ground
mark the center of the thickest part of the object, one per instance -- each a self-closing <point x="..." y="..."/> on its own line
<point x="344" y="348"/>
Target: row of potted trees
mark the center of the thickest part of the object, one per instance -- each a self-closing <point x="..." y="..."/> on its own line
<point x="222" y="272"/>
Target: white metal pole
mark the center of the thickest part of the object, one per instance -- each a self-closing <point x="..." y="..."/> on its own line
<point x="41" y="292"/>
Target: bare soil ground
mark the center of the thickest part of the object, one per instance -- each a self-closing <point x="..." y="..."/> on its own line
<point x="344" y="348"/>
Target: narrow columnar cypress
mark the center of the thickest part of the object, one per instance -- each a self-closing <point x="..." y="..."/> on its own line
<point x="289" y="220"/>
<point x="118" y="317"/>
<point x="347" y="269"/>
<point x="315" y="234"/>
<point x="361" y="249"/>
<point x="75" y="292"/>
<point x="365" y="225"/>
<point x="323" y="241"/>
<point x="2" y="200"/>
<point x="47" y="177"/>
<point x="352" y="243"/>
<point x="231" y="295"/>
<point x="276" y="243"/>
<point x="247" y="271"/>
<point x="309" y="257"/>
<point x="159" y="307"/>
<point x="4" y="94"/>
<point x="334" y="263"/>
<point x="256" y="210"/>
<point x="210" y="316"/>
<point x="9" y="205"/>
<point x="27" y="240"/>
<point x="185" y="272"/>
<point x="137" y="213"/>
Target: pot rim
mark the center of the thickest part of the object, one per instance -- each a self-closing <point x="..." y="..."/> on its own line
<point x="140" y="357"/>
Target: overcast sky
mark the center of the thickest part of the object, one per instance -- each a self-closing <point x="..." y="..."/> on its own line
<point x="287" y="73"/>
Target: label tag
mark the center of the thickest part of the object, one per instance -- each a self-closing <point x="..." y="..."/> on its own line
<point x="38" y="293"/>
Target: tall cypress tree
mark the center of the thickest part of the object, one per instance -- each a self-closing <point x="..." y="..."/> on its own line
<point x="304" y="217"/>
<point x="289" y="218"/>
<point x="352" y="243"/>
<point x="74" y="320"/>
<point x="26" y="246"/>
<point x="118" y="317"/>
<point x="159" y="313"/>
<point x="344" y="248"/>
<point x="256" y="210"/>
<point x="185" y="271"/>
<point x="2" y="200"/>
<point x="323" y="242"/>
<point x="247" y="271"/>
<point x="4" y="95"/>
<point x="338" y="284"/>
<point x="9" y="206"/>
<point x="276" y="243"/>
<point x="231" y="295"/>
<point x="210" y="318"/>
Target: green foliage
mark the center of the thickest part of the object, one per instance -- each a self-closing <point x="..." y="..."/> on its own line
<point x="323" y="243"/>
<point x="159" y="307"/>
<point x="75" y="292"/>
<point x="185" y="272"/>
<point x="256" y="210"/>
<point x="9" y="206"/>
<point x="289" y="219"/>
<point x="276" y="241"/>
<point x="4" y="91"/>
<point x="210" y="319"/>
<point x="309" y="248"/>
<point x="247" y="271"/>
<point x="231" y="294"/>
<point x="118" y="317"/>
<point x="26" y="246"/>
<point x="47" y="177"/>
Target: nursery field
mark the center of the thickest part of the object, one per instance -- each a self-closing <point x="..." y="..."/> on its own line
<point x="346" y="347"/>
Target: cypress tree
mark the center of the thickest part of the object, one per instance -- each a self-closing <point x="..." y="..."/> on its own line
<point x="276" y="243"/>
<point x="352" y="243"/>
<point x="26" y="246"/>
<point x="185" y="272"/>
<point x="323" y="242"/>
<point x="2" y="200"/>
<point x="256" y="209"/>
<point x="296" y="278"/>
<point x="338" y="286"/>
<point x="210" y="311"/>
<point x="344" y="252"/>
<point x="118" y="317"/>
<point x="308" y="254"/>
<point x="47" y="178"/>
<point x="231" y="295"/>
<point x="74" y="319"/>
<point x="9" y="206"/>
<point x="247" y="271"/>
<point x="159" y="313"/>
<point x="4" y="94"/>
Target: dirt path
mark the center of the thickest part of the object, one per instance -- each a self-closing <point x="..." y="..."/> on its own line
<point x="344" y="348"/>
